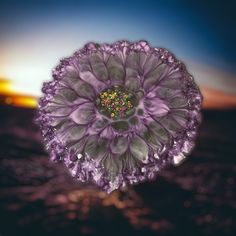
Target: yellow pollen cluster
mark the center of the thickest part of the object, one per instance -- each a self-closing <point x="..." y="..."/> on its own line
<point x="115" y="102"/>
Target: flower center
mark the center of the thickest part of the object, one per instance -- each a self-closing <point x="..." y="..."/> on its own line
<point x="116" y="102"/>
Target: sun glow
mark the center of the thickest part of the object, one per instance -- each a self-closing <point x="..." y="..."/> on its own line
<point x="10" y="95"/>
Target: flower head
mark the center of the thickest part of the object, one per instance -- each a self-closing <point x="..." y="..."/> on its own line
<point x="117" y="114"/>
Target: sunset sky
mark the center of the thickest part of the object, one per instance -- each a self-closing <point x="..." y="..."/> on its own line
<point x="36" y="34"/>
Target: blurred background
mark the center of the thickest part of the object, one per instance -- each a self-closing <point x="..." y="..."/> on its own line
<point x="40" y="198"/>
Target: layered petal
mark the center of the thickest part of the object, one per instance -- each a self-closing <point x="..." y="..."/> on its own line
<point x="153" y="77"/>
<point x="96" y="147"/>
<point x="84" y="114"/>
<point x="68" y="132"/>
<point x="119" y="145"/>
<point x="98" y="67"/>
<point x="116" y="70"/>
<point x="139" y="148"/>
<point x="133" y="83"/>
<point x="156" y="106"/>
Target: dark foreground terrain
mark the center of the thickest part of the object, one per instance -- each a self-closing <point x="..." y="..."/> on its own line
<point x="38" y="197"/>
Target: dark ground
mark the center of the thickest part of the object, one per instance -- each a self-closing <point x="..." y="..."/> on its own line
<point x="38" y="197"/>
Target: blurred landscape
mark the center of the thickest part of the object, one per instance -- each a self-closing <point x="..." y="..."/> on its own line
<point x="39" y="198"/>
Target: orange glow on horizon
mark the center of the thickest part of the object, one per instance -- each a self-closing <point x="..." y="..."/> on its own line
<point x="9" y="96"/>
<point x="213" y="99"/>
<point x="216" y="99"/>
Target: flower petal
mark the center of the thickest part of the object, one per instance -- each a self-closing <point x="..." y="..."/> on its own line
<point x="156" y="106"/>
<point x="84" y="89"/>
<point x="166" y="93"/>
<point x="175" y="74"/>
<point x="154" y="76"/>
<point x="64" y="95"/>
<point x="120" y="126"/>
<point x="116" y="70"/>
<point x="78" y="146"/>
<point x="119" y="145"/>
<point x="92" y="80"/>
<point x="151" y="63"/>
<point x="178" y="102"/>
<point x="173" y="83"/>
<point x="98" y="124"/>
<point x="57" y="121"/>
<point x="71" y="72"/>
<point x="98" y="67"/>
<point x="132" y="83"/>
<point x="130" y="72"/>
<point x="170" y="124"/>
<point x="83" y="114"/>
<point x="107" y="132"/>
<point x="143" y="58"/>
<point x="96" y="147"/>
<point x="93" y="71"/>
<point x="77" y="85"/>
<point x="139" y="148"/>
<point x="113" y="166"/>
<point x="159" y="131"/>
<point x="69" y="133"/>
<point x="150" y="137"/>
<point x="180" y="115"/>
<point x="129" y="161"/>
<point x="58" y="110"/>
<point x="132" y="61"/>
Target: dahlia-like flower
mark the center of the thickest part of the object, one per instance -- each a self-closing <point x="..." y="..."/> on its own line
<point x="116" y="114"/>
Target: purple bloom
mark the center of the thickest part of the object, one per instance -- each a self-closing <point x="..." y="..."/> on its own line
<point x="117" y="114"/>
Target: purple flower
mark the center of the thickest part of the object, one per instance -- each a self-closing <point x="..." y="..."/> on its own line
<point x="117" y="114"/>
